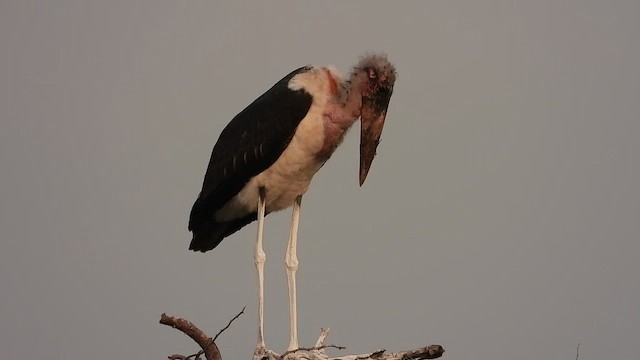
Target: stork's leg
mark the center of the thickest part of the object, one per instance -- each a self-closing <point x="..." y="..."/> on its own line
<point x="260" y="258"/>
<point x="291" y="261"/>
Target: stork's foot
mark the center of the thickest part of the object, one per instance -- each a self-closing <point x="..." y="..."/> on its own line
<point x="317" y="352"/>
<point x="262" y="353"/>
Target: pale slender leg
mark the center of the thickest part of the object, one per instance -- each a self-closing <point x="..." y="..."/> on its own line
<point x="291" y="261"/>
<point x="260" y="258"/>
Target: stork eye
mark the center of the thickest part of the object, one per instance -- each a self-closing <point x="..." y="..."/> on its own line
<point x="372" y="73"/>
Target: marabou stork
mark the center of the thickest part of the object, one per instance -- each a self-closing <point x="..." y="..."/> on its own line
<point x="266" y="156"/>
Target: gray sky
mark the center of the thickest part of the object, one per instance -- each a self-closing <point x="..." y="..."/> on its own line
<point x="500" y="218"/>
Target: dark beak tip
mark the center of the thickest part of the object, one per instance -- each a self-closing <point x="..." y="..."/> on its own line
<point x="365" y="166"/>
<point x="362" y="179"/>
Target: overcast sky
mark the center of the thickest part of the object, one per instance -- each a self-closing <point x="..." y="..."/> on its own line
<point x="500" y="218"/>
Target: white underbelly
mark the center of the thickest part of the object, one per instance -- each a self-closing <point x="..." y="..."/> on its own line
<point x="288" y="177"/>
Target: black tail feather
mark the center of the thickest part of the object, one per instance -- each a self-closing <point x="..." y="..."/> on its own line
<point x="207" y="232"/>
<point x="210" y="233"/>
<point x="207" y="236"/>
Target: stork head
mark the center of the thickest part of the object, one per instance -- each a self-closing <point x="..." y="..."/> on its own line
<point x="376" y="76"/>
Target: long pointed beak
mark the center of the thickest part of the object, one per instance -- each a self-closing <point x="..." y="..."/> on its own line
<point x="374" y="112"/>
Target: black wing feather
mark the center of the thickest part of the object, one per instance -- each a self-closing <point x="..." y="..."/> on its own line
<point x="248" y="145"/>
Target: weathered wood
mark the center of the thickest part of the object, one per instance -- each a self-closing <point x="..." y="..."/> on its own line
<point x="317" y="352"/>
<point x="208" y="346"/>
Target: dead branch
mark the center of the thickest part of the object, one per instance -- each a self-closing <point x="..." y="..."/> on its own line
<point x="427" y="352"/>
<point x="317" y="352"/>
<point x="229" y="324"/>
<point x="207" y="344"/>
<point x="313" y="348"/>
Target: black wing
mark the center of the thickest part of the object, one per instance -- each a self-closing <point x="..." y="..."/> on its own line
<point x="249" y="144"/>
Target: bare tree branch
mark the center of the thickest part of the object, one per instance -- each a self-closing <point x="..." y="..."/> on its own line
<point x="321" y="347"/>
<point x="318" y="353"/>
<point x="178" y="357"/>
<point x="195" y="356"/>
<point x="427" y="352"/>
<point x="229" y="324"/>
<point x="207" y="344"/>
<point x="211" y="352"/>
<point x="324" y="332"/>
